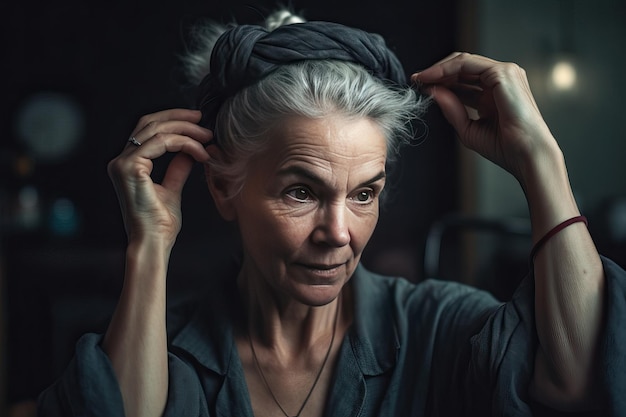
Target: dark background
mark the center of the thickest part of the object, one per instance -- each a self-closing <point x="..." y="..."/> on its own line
<point x="119" y="60"/>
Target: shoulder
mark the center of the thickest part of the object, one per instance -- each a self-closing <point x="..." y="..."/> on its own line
<point x="432" y="301"/>
<point x="217" y="303"/>
<point x="430" y="294"/>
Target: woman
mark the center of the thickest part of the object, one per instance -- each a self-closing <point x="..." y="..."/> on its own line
<point x="296" y="128"/>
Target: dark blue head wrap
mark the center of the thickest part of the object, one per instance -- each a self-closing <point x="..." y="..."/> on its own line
<point x="246" y="54"/>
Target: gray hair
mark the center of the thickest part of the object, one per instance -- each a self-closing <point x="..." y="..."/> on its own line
<point x="313" y="89"/>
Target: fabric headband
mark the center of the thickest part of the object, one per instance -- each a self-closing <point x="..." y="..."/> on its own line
<point x="245" y="54"/>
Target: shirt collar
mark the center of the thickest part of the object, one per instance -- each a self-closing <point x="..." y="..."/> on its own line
<point x="208" y="334"/>
<point x="373" y="336"/>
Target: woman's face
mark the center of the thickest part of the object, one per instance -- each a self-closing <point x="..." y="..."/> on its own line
<point x="310" y="204"/>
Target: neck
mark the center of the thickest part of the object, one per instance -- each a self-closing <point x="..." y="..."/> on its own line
<point x="283" y="324"/>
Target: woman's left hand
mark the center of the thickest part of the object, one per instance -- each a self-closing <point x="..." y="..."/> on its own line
<point x="491" y="107"/>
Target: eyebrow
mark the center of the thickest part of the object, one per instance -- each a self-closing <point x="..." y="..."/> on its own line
<point x="303" y="172"/>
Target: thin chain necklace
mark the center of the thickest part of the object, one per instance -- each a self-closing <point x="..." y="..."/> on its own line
<point x="317" y="377"/>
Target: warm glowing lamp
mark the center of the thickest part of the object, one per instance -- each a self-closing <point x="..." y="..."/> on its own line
<point x="563" y="75"/>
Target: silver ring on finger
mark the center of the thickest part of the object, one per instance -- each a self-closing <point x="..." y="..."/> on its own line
<point x="134" y="141"/>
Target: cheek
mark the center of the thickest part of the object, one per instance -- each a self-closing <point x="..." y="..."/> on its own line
<point x="361" y="234"/>
<point x="273" y="234"/>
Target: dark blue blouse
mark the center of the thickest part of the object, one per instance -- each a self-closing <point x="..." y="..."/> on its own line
<point x="430" y="349"/>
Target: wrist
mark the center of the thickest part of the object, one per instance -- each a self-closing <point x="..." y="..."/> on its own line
<point x="546" y="184"/>
<point x="148" y="256"/>
<point x="542" y="157"/>
<point x="154" y="242"/>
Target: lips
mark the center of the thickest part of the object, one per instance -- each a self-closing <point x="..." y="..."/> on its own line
<point x="321" y="273"/>
<point x="323" y="267"/>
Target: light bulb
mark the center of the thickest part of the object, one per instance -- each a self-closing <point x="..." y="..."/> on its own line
<point x="563" y="75"/>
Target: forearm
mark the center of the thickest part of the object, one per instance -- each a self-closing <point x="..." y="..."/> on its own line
<point x="136" y="340"/>
<point x="569" y="288"/>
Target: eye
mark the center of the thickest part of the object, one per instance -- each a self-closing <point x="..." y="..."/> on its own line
<point x="299" y="194"/>
<point x="364" y="196"/>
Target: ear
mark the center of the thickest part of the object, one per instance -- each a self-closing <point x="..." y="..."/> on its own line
<point x="221" y="191"/>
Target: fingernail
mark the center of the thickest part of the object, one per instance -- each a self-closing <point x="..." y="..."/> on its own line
<point x="416" y="83"/>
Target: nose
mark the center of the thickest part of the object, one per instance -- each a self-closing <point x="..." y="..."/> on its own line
<point x="332" y="226"/>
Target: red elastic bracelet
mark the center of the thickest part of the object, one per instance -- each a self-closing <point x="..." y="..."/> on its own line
<point x="553" y="232"/>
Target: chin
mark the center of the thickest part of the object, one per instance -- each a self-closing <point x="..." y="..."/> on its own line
<point x="318" y="295"/>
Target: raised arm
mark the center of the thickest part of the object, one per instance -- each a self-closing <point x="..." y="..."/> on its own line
<point x="505" y="126"/>
<point x="136" y="340"/>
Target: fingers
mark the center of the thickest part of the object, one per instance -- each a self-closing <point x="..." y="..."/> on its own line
<point x="453" y="109"/>
<point x="457" y="66"/>
<point x="186" y="115"/>
<point x="162" y="142"/>
<point x="481" y="83"/>
<point x="173" y="130"/>
<point x="177" y="173"/>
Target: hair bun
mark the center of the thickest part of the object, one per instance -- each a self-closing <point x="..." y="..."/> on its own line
<point x="282" y="17"/>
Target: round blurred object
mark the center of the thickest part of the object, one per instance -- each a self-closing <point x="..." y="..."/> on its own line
<point x="50" y="125"/>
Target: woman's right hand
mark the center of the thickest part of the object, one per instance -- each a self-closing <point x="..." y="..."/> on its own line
<point x="151" y="210"/>
<point x="136" y="340"/>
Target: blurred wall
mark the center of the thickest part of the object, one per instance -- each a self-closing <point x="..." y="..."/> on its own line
<point x="587" y="121"/>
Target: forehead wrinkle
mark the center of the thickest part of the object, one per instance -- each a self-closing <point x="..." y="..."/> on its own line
<point x="327" y="152"/>
<point x="332" y="174"/>
<point x="330" y="147"/>
<point x="315" y="166"/>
